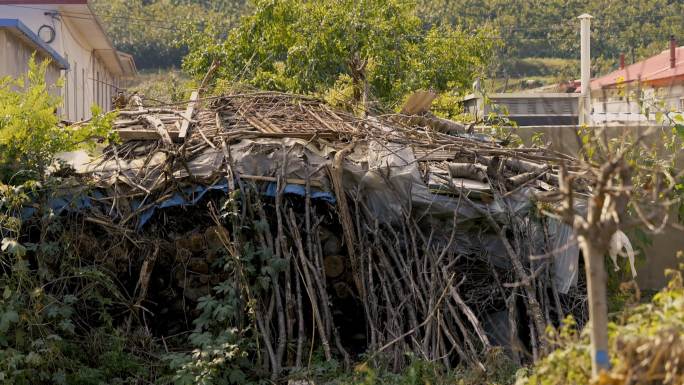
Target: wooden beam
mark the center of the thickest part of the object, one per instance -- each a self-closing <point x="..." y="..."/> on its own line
<point x="159" y="127"/>
<point x="185" y="125"/>
<point x="126" y="134"/>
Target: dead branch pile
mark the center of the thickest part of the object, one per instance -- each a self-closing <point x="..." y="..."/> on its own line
<point x="389" y="234"/>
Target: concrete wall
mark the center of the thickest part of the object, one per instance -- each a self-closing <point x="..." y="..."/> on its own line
<point x="661" y="254"/>
<point x="535" y="105"/>
<point x="87" y="82"/>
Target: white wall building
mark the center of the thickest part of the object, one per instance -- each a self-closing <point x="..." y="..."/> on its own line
<point x="634" y="93"/>
<point x="69" y="34"/>
<point x="526" y="108"/>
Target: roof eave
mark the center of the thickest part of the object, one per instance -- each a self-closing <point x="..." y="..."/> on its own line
<point x="17" y="25"/>
<point x="98" y="22"/>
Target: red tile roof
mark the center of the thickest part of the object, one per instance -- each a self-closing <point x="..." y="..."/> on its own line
<point x="655" y="70"/>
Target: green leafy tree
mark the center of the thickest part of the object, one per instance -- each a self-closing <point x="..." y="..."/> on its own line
<point x="379" y="47"/>
<point x="30" y="134"/>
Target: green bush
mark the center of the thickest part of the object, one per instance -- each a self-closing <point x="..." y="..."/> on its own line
<point x="646" y="340"/>
<point x="30" y="133"/>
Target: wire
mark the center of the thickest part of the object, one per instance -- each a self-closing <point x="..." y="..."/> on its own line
<point x="90" y="16"/>
<point x="164" y="24"/>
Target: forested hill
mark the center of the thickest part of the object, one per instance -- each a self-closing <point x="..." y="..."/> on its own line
<point x="149" y="29"/>
<point x="549" y="28"/>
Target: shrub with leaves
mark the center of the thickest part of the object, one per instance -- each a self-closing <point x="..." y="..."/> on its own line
<point x="48" y="292"/>
<point x="30" y="133"/>
<point x="647" y="346"/>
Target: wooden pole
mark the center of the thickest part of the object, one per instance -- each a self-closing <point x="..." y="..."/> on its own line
<point x="598" y="302"/>
<point x="585" y="61"/>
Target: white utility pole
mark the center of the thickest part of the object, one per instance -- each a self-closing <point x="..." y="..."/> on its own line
<point x="585" y="43"/>
<point x="596" y="275"/>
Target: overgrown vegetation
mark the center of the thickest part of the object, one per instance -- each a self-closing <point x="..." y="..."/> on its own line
<point x="30" y="135"/>
<point x="645" y="339"/>
<point x="46" y="289"/>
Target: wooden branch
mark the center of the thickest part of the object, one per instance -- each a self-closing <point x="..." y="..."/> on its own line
<point x="336" y="170"/>
<point x="261" y="178"/>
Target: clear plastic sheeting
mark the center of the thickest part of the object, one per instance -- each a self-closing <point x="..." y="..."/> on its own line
<point x="565" y="253"/>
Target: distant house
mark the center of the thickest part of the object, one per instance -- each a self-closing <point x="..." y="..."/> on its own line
<point x="70" y="35"/>
<point x="526" y="108"/>
<point x="657" y="80"/>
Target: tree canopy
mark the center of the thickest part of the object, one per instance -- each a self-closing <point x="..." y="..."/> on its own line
<point x="638" y="28"/>
<point x="309" y="46"/>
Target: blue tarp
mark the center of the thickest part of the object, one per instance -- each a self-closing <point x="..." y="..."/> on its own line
<point x="296" y="189"/>
<point x="190" y="196"/>
<point x="65" y="202"/>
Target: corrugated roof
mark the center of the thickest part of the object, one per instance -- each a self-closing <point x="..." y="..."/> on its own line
<point x="655" y="70"/>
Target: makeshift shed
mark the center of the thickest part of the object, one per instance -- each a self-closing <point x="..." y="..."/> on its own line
<point x="380" y="234"/>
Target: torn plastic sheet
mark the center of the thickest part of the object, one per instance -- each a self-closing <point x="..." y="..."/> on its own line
<point x="618" y="242"/>
<point x="565" y="251"/>
<point x="300" y="190"/>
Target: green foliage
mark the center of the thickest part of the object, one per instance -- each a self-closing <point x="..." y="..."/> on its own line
<point x="217" y="359"/>
<point x="448" y="106"/>
<point x="149" y="29"/>
<point x="550" y="28"/>
<point x="499" y="370"/>
<point x="225" y="336"/>
<point x="46" y="291"/>
<point x="633" y="335"/>
<point x="162" y="86"/>
<point x="30" y="134"/>
<point x="319" y="46"/>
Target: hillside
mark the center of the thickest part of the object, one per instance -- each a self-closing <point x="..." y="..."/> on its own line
<point x="150" y="29"/>
<point x="637" y="28"/>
